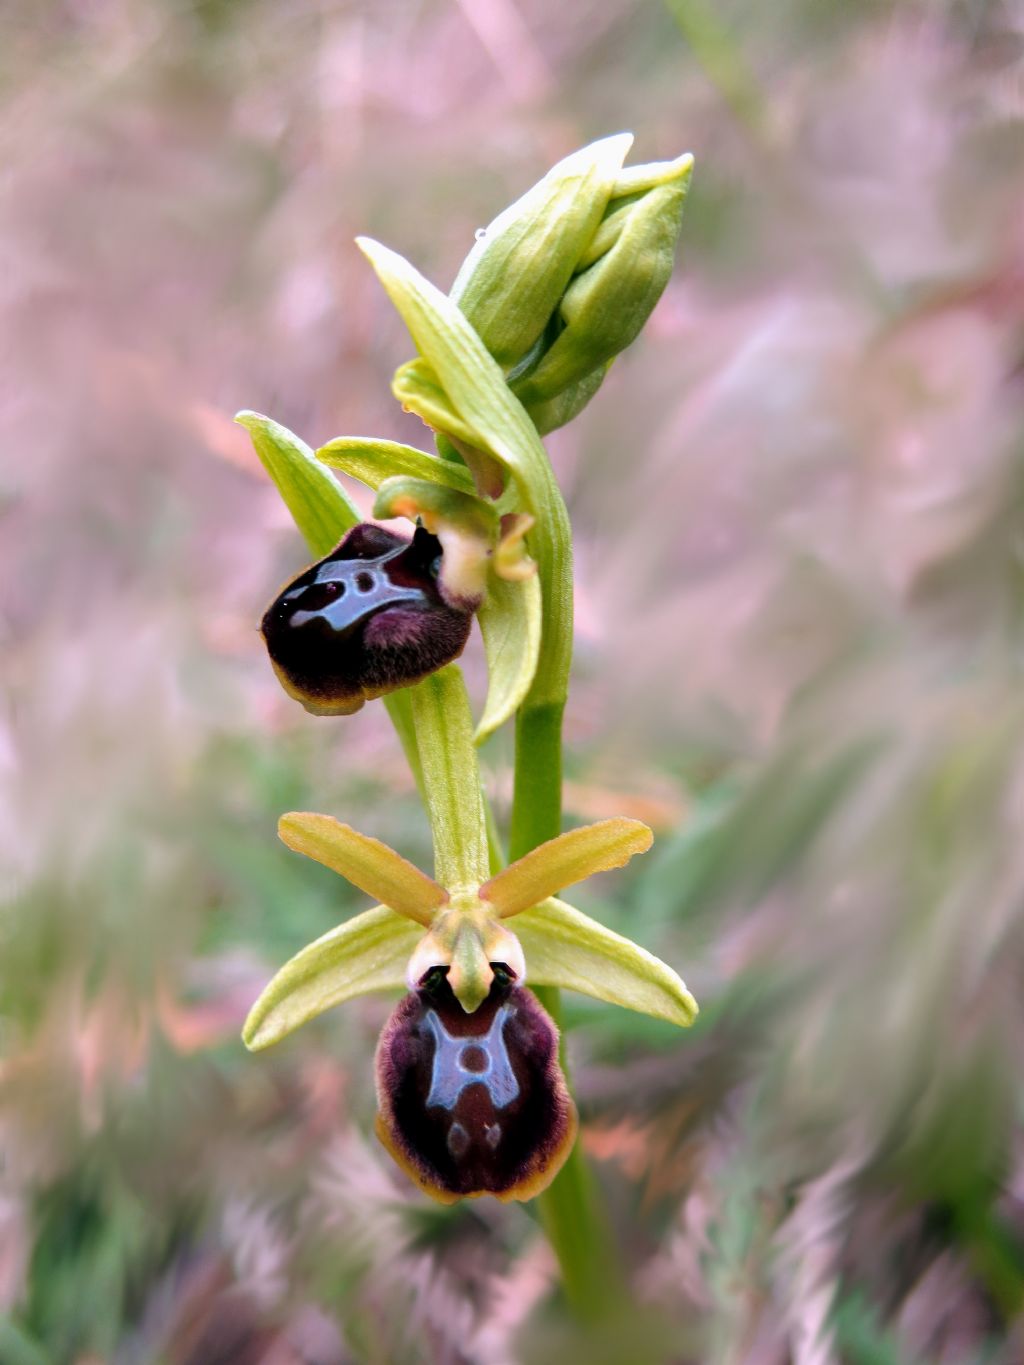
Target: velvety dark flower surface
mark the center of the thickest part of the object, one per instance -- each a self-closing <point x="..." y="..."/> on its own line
<point x="368" y="618"/>
<point x="473" y="1104"/>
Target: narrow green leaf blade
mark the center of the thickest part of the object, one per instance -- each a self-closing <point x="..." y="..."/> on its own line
<point x="510" y="625"/>
<point x="371" y="462"/>
<point x="368" y="863"/>
<point x="367" y="953"/>
<point x="564" y="860"/>
<point x="319" y="505"/>
<point x="568" y="949"/>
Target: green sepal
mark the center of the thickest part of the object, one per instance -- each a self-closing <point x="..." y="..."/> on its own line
<point x="513" y="278"/>
<point x="365" y="954"/>
<point x="372" y="461"/>
<point x="470" y="382"/>
<point x="319" y="505"/>
<point x="606" y="305"/>
<point x="566" y="948"/>
<point x="509" y="620"/>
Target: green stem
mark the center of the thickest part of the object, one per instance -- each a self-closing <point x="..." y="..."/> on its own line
<point x="537" y="798"/>
<point x="570" y="1211"/>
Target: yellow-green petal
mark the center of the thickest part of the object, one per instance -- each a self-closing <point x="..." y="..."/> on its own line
<point x="373" y="866"/>
<point x="565" y="860"/>
<point x="367" y="953"/>
<point x="372" y="461"/>
<point x="568" y="949"/>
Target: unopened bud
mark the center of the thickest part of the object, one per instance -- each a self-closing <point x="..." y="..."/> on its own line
<point x="624" y="271"/>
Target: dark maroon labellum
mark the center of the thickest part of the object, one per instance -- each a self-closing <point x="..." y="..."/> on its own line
<point x="367" y="619"/>
<point x="473" y="1104"/>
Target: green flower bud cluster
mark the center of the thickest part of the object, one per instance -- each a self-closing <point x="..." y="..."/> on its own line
<point x="565" y="278"/>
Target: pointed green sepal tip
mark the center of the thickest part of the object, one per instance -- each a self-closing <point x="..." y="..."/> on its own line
<point x="652" y="174"/>
<point x="319" y="506"/>
<point x="570" y="950"/>
<point x="365" y="954"/>
<point x="369" y="864"/>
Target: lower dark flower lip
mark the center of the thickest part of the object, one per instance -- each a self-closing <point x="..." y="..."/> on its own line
<point x="474" y="1104"/>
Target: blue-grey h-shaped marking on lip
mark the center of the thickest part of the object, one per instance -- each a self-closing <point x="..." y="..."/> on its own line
<point x="450" y="1075"/>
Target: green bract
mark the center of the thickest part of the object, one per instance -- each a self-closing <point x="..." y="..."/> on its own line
<point x="511" y="282"/>
<point x="491" y="419"/>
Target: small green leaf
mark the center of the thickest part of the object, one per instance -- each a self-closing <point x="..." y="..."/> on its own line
<point x="568" y="949"/>
<point x="510" y="625"/>
<point x="368" y="863"/>
<point x="469" y="377"/>
<point x="367" y="953"/>
<point x="320" y="507"/>
<point x="371" y="462"/>
<point x="562" y="861"/>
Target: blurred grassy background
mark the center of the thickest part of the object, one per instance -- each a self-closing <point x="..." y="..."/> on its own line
<point x="799" y="504"/>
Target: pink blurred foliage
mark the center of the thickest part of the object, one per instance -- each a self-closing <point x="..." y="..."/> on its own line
<point x="797" y="506"/>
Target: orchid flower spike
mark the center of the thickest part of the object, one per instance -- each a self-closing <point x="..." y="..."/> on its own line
<point x="471" y="1099"/>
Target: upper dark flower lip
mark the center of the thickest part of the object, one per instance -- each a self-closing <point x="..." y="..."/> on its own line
<point x="366" y="619"/>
